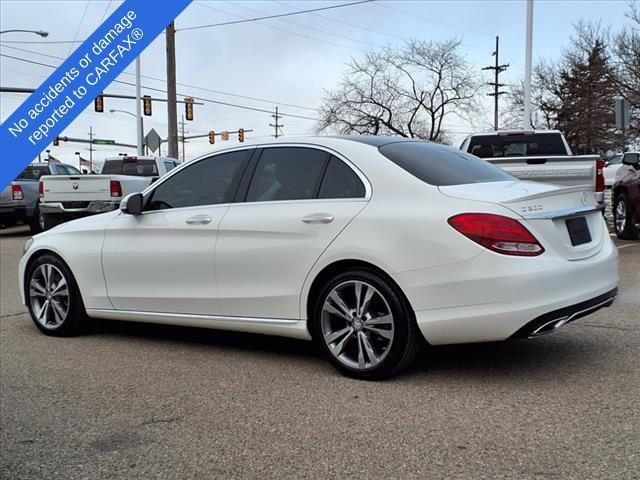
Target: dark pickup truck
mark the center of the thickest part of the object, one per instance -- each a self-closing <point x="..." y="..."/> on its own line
<point x="19" y="200"/>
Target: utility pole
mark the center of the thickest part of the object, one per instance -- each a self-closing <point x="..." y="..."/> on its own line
<point x="182" y="138"/>
<point x="91" y="149"/>
<point x="497" y="70"/>
<point x="276" y="125"/>
<point x="172" y="110"/>
<point x="139" y="127"/>
<point x="526" y="118"/>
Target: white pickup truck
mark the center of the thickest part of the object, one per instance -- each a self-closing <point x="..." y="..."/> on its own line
<point x="538" y="155"/>
<point x="64" y="197"/>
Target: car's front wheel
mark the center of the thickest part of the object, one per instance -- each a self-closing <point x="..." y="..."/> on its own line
<point x="622" y="221"/>
<point x="53" y="297"/>
<point x="365" y="326"/>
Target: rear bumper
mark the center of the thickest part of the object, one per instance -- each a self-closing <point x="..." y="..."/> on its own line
<point x="90" y="209"/>
<point x="551" y="321"/>
<point x="492" y="297"/>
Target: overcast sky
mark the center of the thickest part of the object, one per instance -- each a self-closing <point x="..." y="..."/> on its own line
<point x="283" y="61"/>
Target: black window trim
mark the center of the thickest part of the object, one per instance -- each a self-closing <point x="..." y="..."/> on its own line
<point x="148" y="192"/>
<point x="247" y="177"/>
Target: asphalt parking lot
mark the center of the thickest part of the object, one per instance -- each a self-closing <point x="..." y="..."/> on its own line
<point x="142" y="401"/>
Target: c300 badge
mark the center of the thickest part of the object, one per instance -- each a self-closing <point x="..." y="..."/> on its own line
<point x="531" y="208"/>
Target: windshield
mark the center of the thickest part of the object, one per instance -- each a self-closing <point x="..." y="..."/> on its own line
<point x="440" y="165"/>
<point x="492" y="146"/>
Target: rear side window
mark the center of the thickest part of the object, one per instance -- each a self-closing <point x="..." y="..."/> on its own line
<point x="439" y="165"/>
<point x="207" y="182"/>
<point x="72" y="170"/>
<point x="33" y="172"/>
<point x="130" y="166"/>
<point x="340" y="182"/>
<point x="487" y="146"/>
<point x="169" y="165"/>
<point x="287" y="173"/>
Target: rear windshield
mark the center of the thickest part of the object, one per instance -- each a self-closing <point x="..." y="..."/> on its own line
<point x="439" y="165"/>
<point x="33" y="172"/>
<point x="487" y="146"/>
<point x="130" y="166"/>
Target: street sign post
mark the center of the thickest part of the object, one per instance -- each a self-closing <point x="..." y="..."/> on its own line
<point x="622" y="119"/>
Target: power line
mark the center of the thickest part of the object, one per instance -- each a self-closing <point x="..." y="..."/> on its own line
<point x="274" y="102"/>
<point x="75" y="37"/>
<point x="434" y="21"/>
<point x="218" y="102"/>
<point x="274" y="27"/>
<point x="366" y="29"/>
<point x="344" y="37"/>
<point x="272" y="16"/>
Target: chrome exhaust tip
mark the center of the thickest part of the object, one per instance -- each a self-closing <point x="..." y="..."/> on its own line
<point x="550" y="326"/>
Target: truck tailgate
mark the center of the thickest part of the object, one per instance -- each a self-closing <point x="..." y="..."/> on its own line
<point x="558" y="169"/>
<point x="63" y="188"/>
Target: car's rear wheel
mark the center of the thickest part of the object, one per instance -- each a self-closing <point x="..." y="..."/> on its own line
<point x="622" y="221"/>
<point x="365" y="326"/>
<point x="53" y="297"/>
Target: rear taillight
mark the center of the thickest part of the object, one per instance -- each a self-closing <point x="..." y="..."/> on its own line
<point x="495" y="232"/>
<point x="116" y="188"/>
<point x="16" y="192"/>
<point x="600" y="164"/>
<point x="41" y="189"/>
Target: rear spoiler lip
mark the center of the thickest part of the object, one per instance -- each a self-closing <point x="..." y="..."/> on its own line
<point x="560" y="214"/>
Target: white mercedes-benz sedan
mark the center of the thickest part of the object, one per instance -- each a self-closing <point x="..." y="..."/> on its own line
<point x="369" y="246"/>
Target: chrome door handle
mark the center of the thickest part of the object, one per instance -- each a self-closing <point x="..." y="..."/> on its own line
<point x="318" y="218"/>
<point x="199" y="220"/>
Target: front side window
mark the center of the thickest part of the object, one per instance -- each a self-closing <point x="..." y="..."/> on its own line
<point x="287" y="173"/>
<point x="340" y="181"/>
<point x="207" y="182"/>
<point x="439" y="165"/>
<point x="169" y="165"/>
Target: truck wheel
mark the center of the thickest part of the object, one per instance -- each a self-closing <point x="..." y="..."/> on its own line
<point x="44" y="222"/>
<point x="34" y="222"/>
<point x="622" y="221"/>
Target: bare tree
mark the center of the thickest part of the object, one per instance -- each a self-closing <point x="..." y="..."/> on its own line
<point x="406" y="91"/>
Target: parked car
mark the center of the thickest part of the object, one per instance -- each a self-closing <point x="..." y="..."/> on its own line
<point x="626" y="198"/>
<point x="19" y="200"/>
<point x="367" y="245"/>
<point x="538" y="155"/>
<point x="63" y="198"/>
<point x="611" y="167"/>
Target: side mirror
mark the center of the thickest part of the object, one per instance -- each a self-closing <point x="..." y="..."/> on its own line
<point x="132" y="204"/>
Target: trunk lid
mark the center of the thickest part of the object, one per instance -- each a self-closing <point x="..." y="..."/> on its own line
<point x="551" y="212"/>
<point x="64" y="188"/>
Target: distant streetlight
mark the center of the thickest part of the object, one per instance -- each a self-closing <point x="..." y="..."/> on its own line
<point x="141" y="119"/>
<point x="37" y="32"/>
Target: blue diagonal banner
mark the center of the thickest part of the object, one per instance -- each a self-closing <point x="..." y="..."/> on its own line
<point x="81" y="78"/>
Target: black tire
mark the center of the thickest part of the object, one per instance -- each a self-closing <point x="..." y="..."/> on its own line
<point x="407" y="339"/>
<point x="35" y="222"/>
<point x="45" y="222"/>
<point x="75" y="320"/>
<point x="627" y="231"/>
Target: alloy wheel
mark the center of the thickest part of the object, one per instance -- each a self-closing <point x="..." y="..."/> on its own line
<point x="621" y="216"/>
<point x="49" y="296"/>
<point x="357" y="324"/>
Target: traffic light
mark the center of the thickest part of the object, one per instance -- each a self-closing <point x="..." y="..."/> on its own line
<point x="146" y="105"/>
<point x="212" y="137"/>
<point x="56" y="141"/>
<point x="98" y="103"/>
<point x="241" y="134"/>
<point x="225" y="135"/>
<point x="188" y="108"/>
